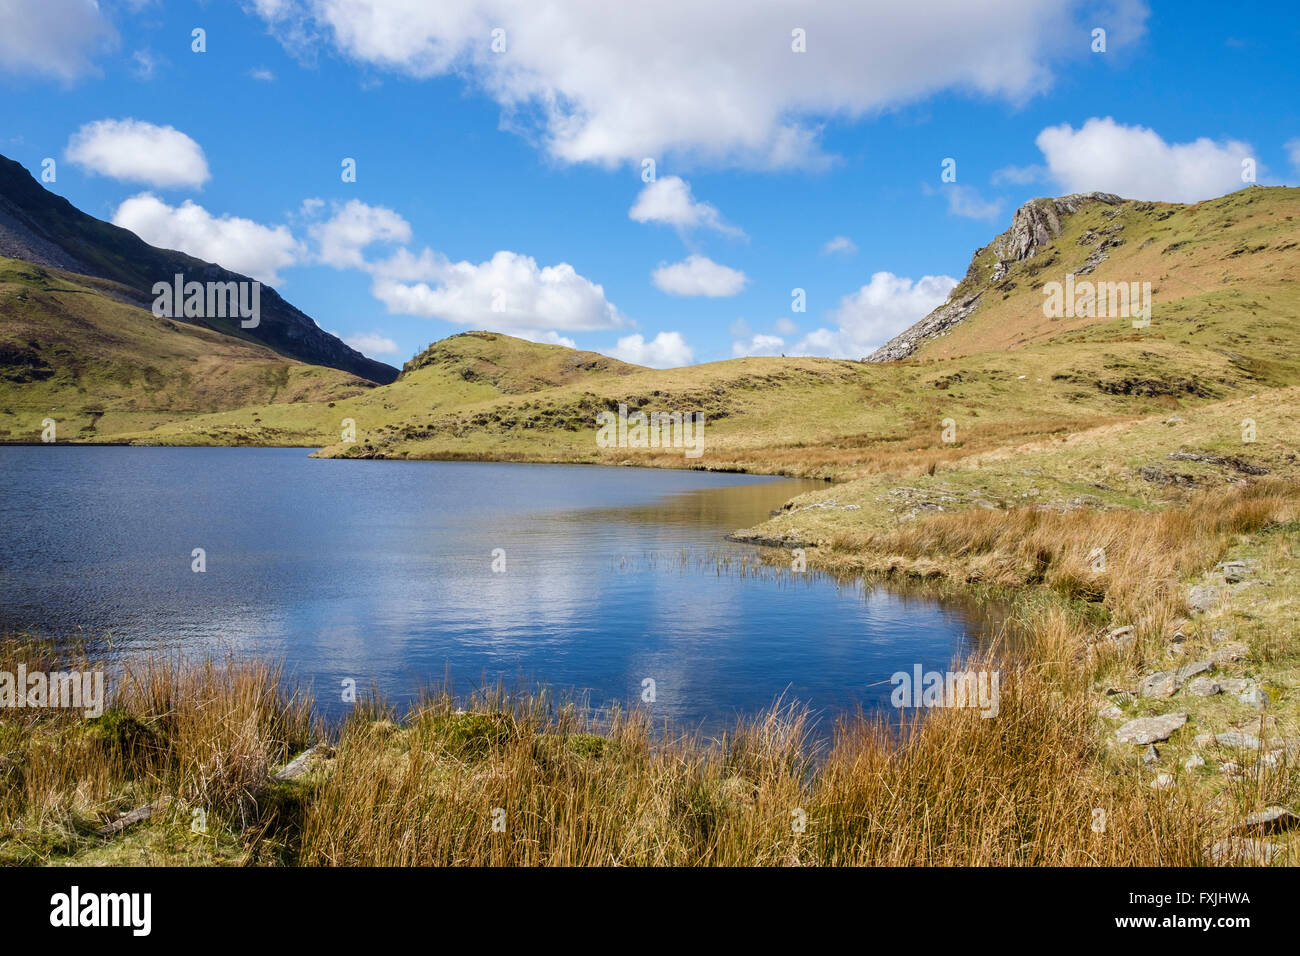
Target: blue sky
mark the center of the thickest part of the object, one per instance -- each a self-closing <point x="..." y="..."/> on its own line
<point x="495" y="187"/>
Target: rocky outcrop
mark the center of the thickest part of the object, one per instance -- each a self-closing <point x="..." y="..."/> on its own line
<point x="1033" y="227"/>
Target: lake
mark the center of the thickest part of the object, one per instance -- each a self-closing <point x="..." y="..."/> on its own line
<point x="383" y="572"/>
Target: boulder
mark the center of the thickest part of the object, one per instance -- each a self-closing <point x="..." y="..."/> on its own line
<point x="1149" y="730"/>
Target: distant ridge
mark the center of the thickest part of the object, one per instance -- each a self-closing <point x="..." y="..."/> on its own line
<point x="44" y="229"/>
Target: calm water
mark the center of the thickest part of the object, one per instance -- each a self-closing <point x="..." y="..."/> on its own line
<point x="382" y="572"/>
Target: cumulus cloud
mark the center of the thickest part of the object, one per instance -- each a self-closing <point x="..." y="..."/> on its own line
<point x="610" y="83"/>
<point x="354" y="225"/>
<point x="136" y="151"/>
<point x="786" y="327"/>
<point x="1292" y="148"/>
<point x="508" y="293"/>
<point x="665" y="350"/>
<point x="876" y="313"/>
<point x="669" y="201"/>
<point x="240" y="245"/>
<point x="840" y="244"/>
<point x="58" y="38"/>
<point x="1137" y="163"/>
<point x="967" y="202"/>
<point x="759" y="344"/>
<point x="698" y="275"/>
<point x="373" y="344"/>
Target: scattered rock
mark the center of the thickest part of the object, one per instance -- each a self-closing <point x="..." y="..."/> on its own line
<point x="1269" y="820"/>
<point x="135" y="816"/>
<point x="1235" y="685"/>
<point x="1254" y="697"/>
<point x="1194" y="762"/>
<point x="1238" y="740"/>
<point x="1157" y="685"/>
<point x="1229" y="653"/>
<point x="1203" y="598"/>
<point x="1204" y="687"/>
<point x="1230" y="769"/>
<point x="1123" y="637"/>
<point x="1110" y="712"/>
<point x="1150" y="755"/>
<point x="1163" y="781"/>
<point x="1148" y="730"/>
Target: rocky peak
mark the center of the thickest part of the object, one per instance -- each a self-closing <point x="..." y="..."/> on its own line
<point x="1033" y="227"/>
<point x="1038" y="222"/>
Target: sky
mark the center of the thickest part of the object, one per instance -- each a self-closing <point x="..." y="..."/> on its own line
<point x="670" y="183"/>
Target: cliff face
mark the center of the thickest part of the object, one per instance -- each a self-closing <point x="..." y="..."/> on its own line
<point x="1033" y="227"/>
<point x="38" y="227"/>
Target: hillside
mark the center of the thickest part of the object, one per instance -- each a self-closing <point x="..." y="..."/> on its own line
<point x="73" y="350"/>
<point x="1225" y="325"/>
<point x="1214" y="267"/>
<point x="38" y="227"/>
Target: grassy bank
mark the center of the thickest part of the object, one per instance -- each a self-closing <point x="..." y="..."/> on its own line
<point x="1043" y="782"/>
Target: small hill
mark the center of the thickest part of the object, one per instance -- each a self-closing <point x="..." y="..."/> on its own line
<point x="512" y="366"/>
<point x="46" y="230"/>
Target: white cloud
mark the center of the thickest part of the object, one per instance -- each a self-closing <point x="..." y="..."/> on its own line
<point x="239" y="245"/>
<point x="1292" y="147"/>
<point x="669" y="201"/>
<point x="786" y="327"/>
<point x="262" y="75"/>
<point x="1137" y="163"/>
<point x="130" y="149"/>
<point x="1019" y="175"/>
<point x="876" y="313"/>
<point x="840" y="244"/>
<point x="354" y="226"/>
<point x="759" y="344"/>
<point x="548" y="338"/>
<point x="57" y="38"/>
<point x="146" y="64"/>
<point x="610" y="83"/>
<point x="373" y="344"/>
<point x="698" y="275"/>
<point x="508" y="293"/>
<point x="665" y="350"/>
<point x="966" y="201"/>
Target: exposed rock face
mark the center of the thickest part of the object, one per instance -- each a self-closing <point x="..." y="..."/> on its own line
<point x="1034" y="225"/>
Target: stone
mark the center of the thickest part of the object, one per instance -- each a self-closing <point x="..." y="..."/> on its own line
<point x="1269" y="820"/>
<point x="1230" y="769"/>
<point x="1204" y="740"/>
<point x="1235" y="571"/>
<point x="1123" y="638"/>
<point x="1110" y="712"/>
<point x="1240" y="850"/>
<point x="1194" y="762"/>
<point x="1229" y="653"/>
<point x="1238" y="740"/>
<point x="1163" y="781"/>
<point x="1149" y="730"/>
<point x="1150" y="755"/>
<point x="1254" y="697"/>
<point x="1235" y="685"/>
<point x="1204" y="687"/>
<point x="1202" y="598"/>
<point x="1157" y="685"/>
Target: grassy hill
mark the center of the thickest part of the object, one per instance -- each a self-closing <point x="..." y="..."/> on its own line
<point x="1225" y="325"/>
<point x="73" y="350"/>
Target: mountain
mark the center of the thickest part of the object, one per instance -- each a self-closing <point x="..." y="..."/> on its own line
<point x="75" y="349"/>
<point x="46" y="230"/>
<point x="1209" y="264"/>
<point x="1224" y="328"/>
